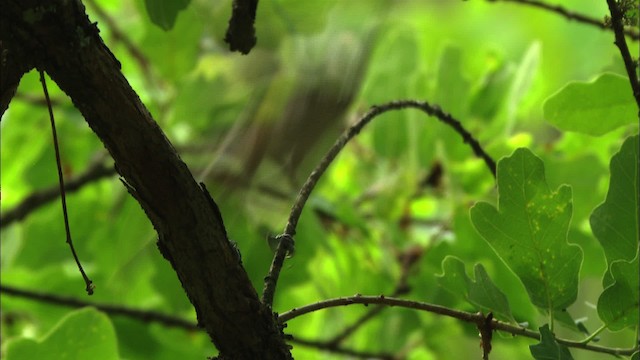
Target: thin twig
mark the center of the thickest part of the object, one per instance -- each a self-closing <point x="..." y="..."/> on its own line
<point x="327" y="346"/>
<point x="271" y="279"/>
<point x="621" y="43"/>
<point x="475" y="318"/>
<point x="571" y="15"/>
<point x="89" y="284"/>
<point x="142" y="315"/>
<point x="35" y="200"/>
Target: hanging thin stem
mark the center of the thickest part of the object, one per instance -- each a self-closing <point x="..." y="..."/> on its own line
<point x="63" y="198"/>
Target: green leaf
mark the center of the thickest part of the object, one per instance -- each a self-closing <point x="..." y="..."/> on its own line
<point x="481" y="292"/>
<point x="82" y="334"/>
<point x="593" y="108"/>
<point x="618" y="303"/>
<point x="165" y="12"/>
<point x="614" y="222"/>
<point x="529" y="231"/>
<point x="549" y="348"/>
<point x="635" y="356"/>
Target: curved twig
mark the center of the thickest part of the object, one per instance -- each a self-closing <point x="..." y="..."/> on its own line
<point x="296" y="210"/>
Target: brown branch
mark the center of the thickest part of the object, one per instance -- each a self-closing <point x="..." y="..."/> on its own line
<point x="475" y="318"/>
<point x="571" y="15"/>
<point x="621" y="43"/>
<point x="271" y="279"/>
<point x="35" y="200"/>
<point x="56" y="36"/>
<point x="117" y="310"/>
<point x="333" y="348"/>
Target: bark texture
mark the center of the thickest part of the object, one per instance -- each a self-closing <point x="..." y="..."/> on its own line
<point x="57" y="37"/>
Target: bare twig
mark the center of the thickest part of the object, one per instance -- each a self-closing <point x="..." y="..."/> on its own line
<point x="571" y="15"/>
<point x="475" y="318"/>
<point x="142" y="315"/>
<point x="296" y="210"/>
<point x="35" y="200"/>
<point x="621" y="43"/>
<point x="327" y="346"/>
<point x="89" y="284"/>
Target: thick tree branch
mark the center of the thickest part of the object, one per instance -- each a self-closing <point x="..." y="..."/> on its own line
<point x="57" y="37"/>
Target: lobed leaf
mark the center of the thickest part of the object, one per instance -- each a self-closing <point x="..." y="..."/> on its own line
<point x="549" y="348"/>
<point x="480" y="292"/>
<point x="615" y="225"/>
<point x="528" y="231"/>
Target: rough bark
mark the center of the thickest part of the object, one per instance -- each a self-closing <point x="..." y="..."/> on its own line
<point x="57" y="37"/>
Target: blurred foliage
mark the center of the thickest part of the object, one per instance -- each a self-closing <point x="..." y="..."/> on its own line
<point x="395" y="204"/>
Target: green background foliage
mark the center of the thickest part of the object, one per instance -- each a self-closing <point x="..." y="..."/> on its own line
<point x="561" y="217"/>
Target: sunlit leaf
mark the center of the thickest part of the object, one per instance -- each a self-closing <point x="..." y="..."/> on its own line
<point x="593" y="108"/>
<point x="528" y="231"/>
<point x="548" y="348"/>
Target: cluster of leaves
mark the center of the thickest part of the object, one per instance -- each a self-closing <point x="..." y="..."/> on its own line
<point x="560" y="231"/>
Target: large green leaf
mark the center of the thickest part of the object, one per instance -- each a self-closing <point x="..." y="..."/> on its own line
<point x="164" y="12"/>
<point x="593" y="108"/>
<point x="83" y="334"/>
<point x="615" y="225"/>
<point x="614" y="222"/>
<point x="549" y="348"/>
<point x="529" y="231"/>
<point x="480" y="292"/>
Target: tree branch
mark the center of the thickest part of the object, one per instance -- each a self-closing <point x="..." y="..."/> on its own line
<point x="56" y="36"/>
<point x="117" y="310"/>
<point x="621" y="43"/>
<point x="475" y="318"/>
<point x="571" y="15"/>
<point x="287" y="244"/>
<point x="35" y="200"/>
